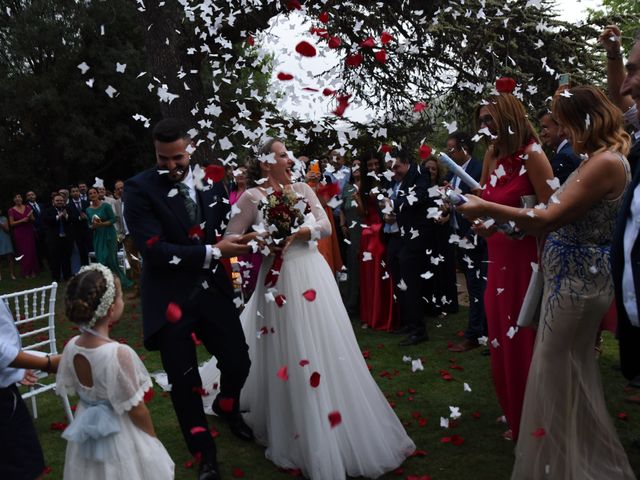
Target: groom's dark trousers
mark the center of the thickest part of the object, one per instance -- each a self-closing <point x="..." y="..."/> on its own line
<point x="173" y="272"/>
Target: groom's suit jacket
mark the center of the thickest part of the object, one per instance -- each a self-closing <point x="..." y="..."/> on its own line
<point x="628" y="335"/>
<point x="172" y="260"/>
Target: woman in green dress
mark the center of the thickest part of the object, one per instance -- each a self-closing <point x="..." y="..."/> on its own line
<point x="105" y="245"/>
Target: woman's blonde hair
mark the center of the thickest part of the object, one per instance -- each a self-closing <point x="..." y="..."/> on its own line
<point x="253" y="164"/>
<point x="593" y="123"/>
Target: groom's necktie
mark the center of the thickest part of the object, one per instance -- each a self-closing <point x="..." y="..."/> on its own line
<point x="190" y="205"/>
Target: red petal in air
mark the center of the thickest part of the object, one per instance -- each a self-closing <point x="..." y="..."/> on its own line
<point x="305" y="49"/>
<point x="327" y="92"/>
<point x="304" y="362"/>
<point x="368" y="43"/>
<point x="152" y="241"/>
<point x="237" y="473"/>
<point x="324" y="17"/>
<point x="335" y="419"/>
<point x="196" y="232"/>
<point x="334" y="42"/>
<point x="148" y="395"/>
<point x="294" y="4"/>
<point x="418" y="107"/>
<point x="354" y="60"/>
<point x="173" y="313"/>
<point x="285" y="76"/>
<point x="310" y="295"/>
<point x="381" y="56"/>
<point x="251" y="41"/>
<point x="214" y="172"/>
<point x="196" y="430"/>
<point x="283" y="373"/>
<point x="226" y="404"/>
<point x="195" y="339"/>
<point x="385" y="38"/>
<point x="424" y="151"/>
<point x="281" y="300"/>
<point x="538" y="432"/>
<point x="505" y="85"/>
<point x="314" y="381"/>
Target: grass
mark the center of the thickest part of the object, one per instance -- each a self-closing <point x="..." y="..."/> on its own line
<point x="420" y="400"/>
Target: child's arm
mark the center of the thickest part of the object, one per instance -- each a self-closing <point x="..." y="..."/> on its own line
<point x="141" y="418"/>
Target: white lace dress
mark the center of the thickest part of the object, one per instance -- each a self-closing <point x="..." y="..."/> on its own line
<point x="290" y="345"/>
<point x="103" y="443"/>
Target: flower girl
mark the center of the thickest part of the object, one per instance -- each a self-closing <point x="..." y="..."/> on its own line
<point x="112" y="436"/>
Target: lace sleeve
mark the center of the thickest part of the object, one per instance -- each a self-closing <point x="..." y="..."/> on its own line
<point x="128" y="380"/>
<point x="65" y="377"/>
<point x="320" y="225"/>
<point x="243" y="213"/>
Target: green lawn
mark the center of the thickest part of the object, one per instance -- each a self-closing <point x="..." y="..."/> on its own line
<point x="420" y="400"/>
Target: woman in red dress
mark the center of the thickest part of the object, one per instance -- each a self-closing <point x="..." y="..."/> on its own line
<point x="24" y="236"/>
<point x="377" y="309"/>
<point x="514" y="166"/>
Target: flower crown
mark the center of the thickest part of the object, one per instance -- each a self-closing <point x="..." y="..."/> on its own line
<point x="109" y="294"/>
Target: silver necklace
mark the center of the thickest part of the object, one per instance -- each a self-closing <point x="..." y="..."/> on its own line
<point x="91" y="331"/>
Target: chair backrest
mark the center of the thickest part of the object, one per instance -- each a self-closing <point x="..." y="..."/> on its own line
<point x="34" y="312"/>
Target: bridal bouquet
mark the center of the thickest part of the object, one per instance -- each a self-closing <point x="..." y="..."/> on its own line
<point x="283" y="213"/>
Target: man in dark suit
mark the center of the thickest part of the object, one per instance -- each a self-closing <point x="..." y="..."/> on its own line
<point x="471" y="251"/>
<point x="625" y="251"/>
<point x="186" y="293"/>
<point x="79" y="225"/>
<point x="416" y="234"/>
<point x="563" y="160"/>
<point x="55" y="221"/>
<point x="38" y="210"/>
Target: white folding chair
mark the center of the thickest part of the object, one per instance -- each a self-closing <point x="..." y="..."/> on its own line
<point x="123" y="262"/>
<point x="34" y="313"/>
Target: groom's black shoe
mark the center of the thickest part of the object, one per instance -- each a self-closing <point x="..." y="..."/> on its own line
<point x="414" y="339"/>
<point x="235" y="422"/>
<point x="208" y="471"/>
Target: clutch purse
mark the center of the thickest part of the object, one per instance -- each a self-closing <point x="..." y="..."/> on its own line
<point x="530" y="309"/>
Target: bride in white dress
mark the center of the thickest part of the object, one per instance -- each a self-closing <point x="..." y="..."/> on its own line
<point x="332" y="425"/>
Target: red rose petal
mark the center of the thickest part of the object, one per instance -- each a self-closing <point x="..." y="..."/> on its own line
<point x="226" y="404"/>
<point x="173" y="313"/>
<point x="334" y="42"/>
<point x="335" y="419"/>
<point x="385" y="38"/>
<point x="196" y="232"/>
<point x="196" y="430"/>
<point x="418" y="107"/>
<point x="457" y="440"/>
<point x="285" y="76"/>
<point x="237" y="473"/>
<point x="314" y="381"/>
<point x="294" y="4"/>
<point x="623" y="416"/>
<point x="195" y="339"/>
<point x="328" y="92"/>
<point x="152" y="241"/>
<point x="304" y="362"/>
<point x="419" y="453"/>
<point x="539" y="432"/>
<point x="251" y="41"/>
<point x="305" y="49"/>
<point x="424" y="151"/>
<point x="281" y="300"/>
<point x="381" y="56"/>
<point x="324" y="17"/>
<point x="354" y="60"/>
<point x="214" y="172"/>
<point x="310" y="295"/>
<point x="283" y="373"/>
<point x="505" y="85"/>
<point x="148" y="395"/>
<point x="47" y="470"/>
<point x="368" y="43"/>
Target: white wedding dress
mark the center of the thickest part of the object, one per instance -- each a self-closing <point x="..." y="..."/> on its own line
<point x="290" y="416"/>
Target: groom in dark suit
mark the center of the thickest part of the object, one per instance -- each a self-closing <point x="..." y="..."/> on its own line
<point x="187" y="296"/>
<point x="625" y="250"/>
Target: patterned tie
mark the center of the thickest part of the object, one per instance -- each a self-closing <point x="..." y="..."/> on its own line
<point x="189" y="204"/>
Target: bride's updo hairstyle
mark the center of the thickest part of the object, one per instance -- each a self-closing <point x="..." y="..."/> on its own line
<point x="84" y="292"/>
<point x="253" y="162"/>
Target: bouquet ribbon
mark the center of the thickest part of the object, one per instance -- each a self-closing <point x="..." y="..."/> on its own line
<point x="274" y="272"/>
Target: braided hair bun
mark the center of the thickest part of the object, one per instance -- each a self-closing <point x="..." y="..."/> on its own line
<point x="83" y="296"/>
